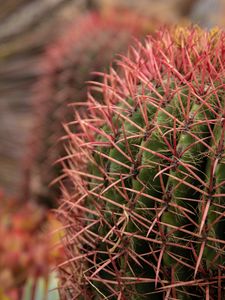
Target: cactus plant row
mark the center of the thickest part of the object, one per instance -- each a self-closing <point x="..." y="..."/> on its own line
<point x="87" y="45"/>
<point x="144" y="210"/>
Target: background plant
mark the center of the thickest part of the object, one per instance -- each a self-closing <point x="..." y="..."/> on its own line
<point x="87" y="45"/>
<point x="29" y="251"/>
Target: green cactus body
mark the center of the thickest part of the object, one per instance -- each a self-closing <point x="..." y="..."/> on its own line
<point x="150" y="199"/>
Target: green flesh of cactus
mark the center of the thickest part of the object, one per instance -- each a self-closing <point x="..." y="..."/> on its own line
<point x="150" y="205"/>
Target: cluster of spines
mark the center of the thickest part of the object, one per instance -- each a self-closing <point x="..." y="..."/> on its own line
<point x="147" y="175"/>
<point x="89" y="44"/>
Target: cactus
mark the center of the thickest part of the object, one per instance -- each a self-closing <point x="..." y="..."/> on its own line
<point x="28" y="251"/>
<point x="144" y="209"/>
<point x="88" y="45"/>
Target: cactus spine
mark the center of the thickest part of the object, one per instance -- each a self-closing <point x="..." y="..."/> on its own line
<point x="145" y="210"/>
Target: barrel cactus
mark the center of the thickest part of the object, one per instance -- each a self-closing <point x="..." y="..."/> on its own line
<point x="87" y="45"/>
<point x="145" y="208"/>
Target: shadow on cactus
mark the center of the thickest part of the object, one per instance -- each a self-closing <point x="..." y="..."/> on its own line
<point x="145" y="213"/>
<point x="88" y="45"/>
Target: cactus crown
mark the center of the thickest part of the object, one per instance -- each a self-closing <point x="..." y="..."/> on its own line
<point x="145" y="210"/>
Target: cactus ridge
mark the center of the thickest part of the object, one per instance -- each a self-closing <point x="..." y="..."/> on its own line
<point x="145" y="213"/>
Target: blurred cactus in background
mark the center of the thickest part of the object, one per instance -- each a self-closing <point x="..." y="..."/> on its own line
<point x="28" y="250"/>
<point x="88" y="45"/>
<point x="37" y="24"/>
